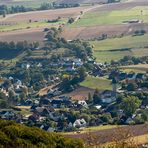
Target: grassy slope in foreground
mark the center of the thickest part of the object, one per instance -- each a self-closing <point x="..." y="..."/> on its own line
<point x="102" y="49"/>
<point x="16" y="135"/>
<point x="99" y="83"/>
<point x="112" y="17"/>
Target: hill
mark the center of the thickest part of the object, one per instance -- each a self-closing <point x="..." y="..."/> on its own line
<point x="16" y="135"/>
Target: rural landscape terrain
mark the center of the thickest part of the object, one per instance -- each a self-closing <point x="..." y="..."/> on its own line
<point x="74" y="73"/>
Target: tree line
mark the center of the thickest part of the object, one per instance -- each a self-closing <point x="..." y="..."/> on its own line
<point x="4" y="9"/>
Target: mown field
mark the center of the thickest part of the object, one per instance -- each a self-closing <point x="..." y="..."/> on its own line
<point x="19" y="26"/>
<point x="112" y="17"/>
<point x="117" y="48"/>
<point x="99" y="83"/>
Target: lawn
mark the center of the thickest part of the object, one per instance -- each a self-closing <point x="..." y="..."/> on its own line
<point x="112" y="17"/>
<point x="113" y="49"/>
<point x="95" y="82"/>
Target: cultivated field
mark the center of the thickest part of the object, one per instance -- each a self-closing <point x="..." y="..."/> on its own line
<point x="107" y="135"/>
<point x="135" y="68"/>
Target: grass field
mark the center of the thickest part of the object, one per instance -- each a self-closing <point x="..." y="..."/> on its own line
<point x="93" y="128"/>
<point x="19" y="26"/>
<point x="99" y="83"/>
<point x="113" y="49"/>
<point x="112" y="17"/>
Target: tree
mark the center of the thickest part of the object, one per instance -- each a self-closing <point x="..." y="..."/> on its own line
<point x="130" y="104"/>
<point x="82" y="73"/>
<point x="71" y="20"/>
<point x="96" y="97"/>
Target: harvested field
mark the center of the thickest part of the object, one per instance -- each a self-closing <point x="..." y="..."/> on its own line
<point x="80" y="93"/>
<point x="30" y="35"/>
<point x="104" y="136"/>
<point x="93" y="32"/>
<point x="42" y="15"/>
<point x="121" y="6"/>
<point x="140" y="67"/>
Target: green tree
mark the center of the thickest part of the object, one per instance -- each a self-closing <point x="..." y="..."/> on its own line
<point x="130" y="104"/>
<point x="96" y="97"/>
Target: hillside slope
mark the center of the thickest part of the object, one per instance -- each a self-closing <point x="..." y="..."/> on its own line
<point x="15" y="136"/>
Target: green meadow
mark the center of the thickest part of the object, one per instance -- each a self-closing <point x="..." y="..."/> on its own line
<point x="114" y="49"/>
<point x="112" y="17"/>
<point x="99" y="83"/>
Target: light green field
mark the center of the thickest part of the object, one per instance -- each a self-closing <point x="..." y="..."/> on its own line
<point x="112" y="17"/>
<point x="26" y="3"/>
<point x="20" y="26"/>
<point x="103" y="49"/>
<point x="99" y="83"/>
<point x="93" y="128"/>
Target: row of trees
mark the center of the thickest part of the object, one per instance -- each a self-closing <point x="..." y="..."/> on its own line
<point x="12" y="49"/>
<point x="4" y="9"/>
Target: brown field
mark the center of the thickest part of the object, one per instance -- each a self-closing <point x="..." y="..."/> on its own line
<point x="106" y="135"/>
<point x="80" y="93"/>
<point x="30" y="35"/>
<point x="42" y="15"/>
<point x="121" y="6"/>
<point x="97" y="31"/>
<point x="37" y="34"/>
<point x="140" y="67"/>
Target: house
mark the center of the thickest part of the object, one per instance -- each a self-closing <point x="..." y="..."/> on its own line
<point x="34" y="117"/>
<point x="83" y="103"/>
<point x="108" y="96"/>
<point x="7" y="115"/>
<point x="47" y="128"/>
<point x="80" y="123"/>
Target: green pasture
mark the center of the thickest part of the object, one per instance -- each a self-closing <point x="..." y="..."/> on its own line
<point x="95" y="82"/>
<point x="114" y="49"/>
<point x="112" y="17"/>
<point x="20" y="26"/>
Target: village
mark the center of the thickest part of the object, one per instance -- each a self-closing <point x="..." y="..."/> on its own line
<point x="51" y="110"/>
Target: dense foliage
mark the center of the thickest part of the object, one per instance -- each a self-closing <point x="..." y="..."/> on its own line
<point x="15" y="135"/>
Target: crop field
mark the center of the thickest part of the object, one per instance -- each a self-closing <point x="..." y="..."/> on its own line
<point x="112" y="17"/>
<point x="106" y="135"/>
<point x="136" y="68"/>
<point x="42" y="15"/>
<point x="117" y="48"/>
<point x="99" y="83"/>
